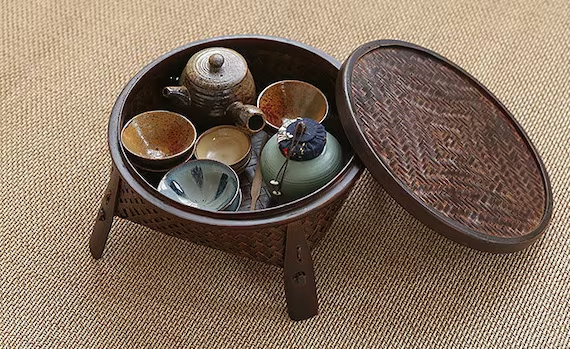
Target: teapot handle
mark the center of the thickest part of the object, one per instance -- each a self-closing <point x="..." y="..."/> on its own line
<point x="179" y="92"/>
<point x="249" y="118"/>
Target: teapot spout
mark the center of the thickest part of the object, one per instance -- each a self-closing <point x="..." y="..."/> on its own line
<point x="179" y="92"/>
<point x="248" y="118"/>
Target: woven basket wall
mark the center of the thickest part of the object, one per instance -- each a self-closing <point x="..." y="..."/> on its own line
<point x="265" y="245"/>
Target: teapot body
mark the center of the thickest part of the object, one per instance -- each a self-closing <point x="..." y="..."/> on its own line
<point x="209" y="103"/>
<point x="213" y="79"/>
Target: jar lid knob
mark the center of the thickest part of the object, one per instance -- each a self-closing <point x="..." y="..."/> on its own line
<point x="216" y="61"/>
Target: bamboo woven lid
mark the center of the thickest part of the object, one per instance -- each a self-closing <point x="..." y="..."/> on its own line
<point x="443" y="146"/>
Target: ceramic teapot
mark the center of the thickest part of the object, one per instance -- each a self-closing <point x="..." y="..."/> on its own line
<point x="301" y="158"/>
<point x="212" y="80"/>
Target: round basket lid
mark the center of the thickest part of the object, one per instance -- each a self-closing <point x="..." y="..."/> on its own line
<point x="443" y="146"/>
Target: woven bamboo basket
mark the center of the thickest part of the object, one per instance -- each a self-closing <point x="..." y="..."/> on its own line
<point x="440" y="143"/>
<point x="262" y="234"/>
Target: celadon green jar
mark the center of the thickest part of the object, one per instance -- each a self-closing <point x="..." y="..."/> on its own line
<point x="301" y="158"/>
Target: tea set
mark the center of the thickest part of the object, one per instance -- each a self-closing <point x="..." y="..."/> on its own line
<point x="216" y="93"/>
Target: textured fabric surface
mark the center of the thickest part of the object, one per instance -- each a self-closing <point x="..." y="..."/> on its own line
<point x="384" y="280"/>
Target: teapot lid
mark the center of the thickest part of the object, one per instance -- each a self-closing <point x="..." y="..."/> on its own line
<point x="443" y="146"/>
<point x="216" y="68"/>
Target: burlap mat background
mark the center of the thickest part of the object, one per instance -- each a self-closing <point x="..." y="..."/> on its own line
<point x="384" y="280"/>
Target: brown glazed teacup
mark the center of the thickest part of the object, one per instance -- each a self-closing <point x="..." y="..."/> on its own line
<point x="226" y="144"/>
<point x="158" y="140"/>
<point x="291" y="99"/>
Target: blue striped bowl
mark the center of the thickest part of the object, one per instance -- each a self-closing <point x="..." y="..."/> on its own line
<point x="205" y="184"/>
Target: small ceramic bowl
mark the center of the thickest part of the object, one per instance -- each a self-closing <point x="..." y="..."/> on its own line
<point x="205" y="184"/>
<point x="226" y="144"/>
<point x="290" y="99"/>
<point x="235" y="205"/>
<point x="158" y="140"/>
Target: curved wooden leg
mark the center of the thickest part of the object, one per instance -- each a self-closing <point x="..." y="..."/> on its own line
<point x="105" y="216"/>
<point x="300" y="285"/>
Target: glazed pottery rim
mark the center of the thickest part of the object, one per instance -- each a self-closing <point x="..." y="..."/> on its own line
<point x="210" y="130"/>
<point x="239" y="197"/>
<point x="319" y="92"/>
<point x="266" y="217"/>
<point x="162" y="111"/>
<point x="216" y="163"/>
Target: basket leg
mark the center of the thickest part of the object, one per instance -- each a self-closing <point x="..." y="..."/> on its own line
<point x="300" y="286"/>
<point x="105" y="216"/>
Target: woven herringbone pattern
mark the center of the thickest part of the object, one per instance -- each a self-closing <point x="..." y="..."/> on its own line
<point x="266" y="245"/>
<point x="448" y="142"/>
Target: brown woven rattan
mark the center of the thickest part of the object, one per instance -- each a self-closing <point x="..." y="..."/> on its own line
<point x="265" y="245"/>
<point x="258" y="235"/>
<point x="444" y="146"/>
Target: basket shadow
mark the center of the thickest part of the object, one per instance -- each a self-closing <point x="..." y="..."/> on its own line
<point x="378" y="259"/>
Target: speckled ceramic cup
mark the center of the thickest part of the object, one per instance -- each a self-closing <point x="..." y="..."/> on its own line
<point x="226" y="144"/>
<point x="158" y="140"/>
<point x="290" y="99"/>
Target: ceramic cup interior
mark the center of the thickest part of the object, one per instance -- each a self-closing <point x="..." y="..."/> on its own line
<point x="290" y="99"/>
<point x="235" y="205"/>
<point x="226" y="144"/>
<point x="158" y="135"/>
<point x="205" y="184"/>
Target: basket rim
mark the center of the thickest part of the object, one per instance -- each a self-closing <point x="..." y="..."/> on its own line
<point x="337" y="188"/>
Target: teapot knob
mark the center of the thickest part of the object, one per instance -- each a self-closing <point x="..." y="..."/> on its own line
<point x="216" y="61"/>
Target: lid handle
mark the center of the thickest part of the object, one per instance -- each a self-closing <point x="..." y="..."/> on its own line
<point x="216" y="61"/>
